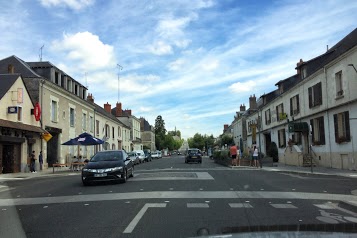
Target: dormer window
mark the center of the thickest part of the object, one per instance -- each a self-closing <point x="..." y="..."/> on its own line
<point x="303" y="72"/>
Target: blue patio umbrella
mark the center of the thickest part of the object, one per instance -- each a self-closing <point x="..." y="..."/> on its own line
<point x="84" y="139"/>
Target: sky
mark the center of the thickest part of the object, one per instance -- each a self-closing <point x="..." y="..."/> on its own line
<point x="194" y="62"/>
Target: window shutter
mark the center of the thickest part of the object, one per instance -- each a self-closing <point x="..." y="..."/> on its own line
<point x="319" y="93"/>
<point x="291" y="106"/>
<point x="322" y="131"/>
<point x="347" y="123"/>
<point x="297" y="103"/>
<point x="310" y="97"/>
<point x="335" y="122"/>
<point x="279" y="139"/>
<point x="284" y="138"/>
<point x="277" y="114"/>
<point x="312" y="131"/>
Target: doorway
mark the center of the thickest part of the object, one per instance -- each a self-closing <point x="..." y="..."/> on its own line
<point x="11" y="161"/>
<point x="267" y="142"/>
<point x="52" y="149"/>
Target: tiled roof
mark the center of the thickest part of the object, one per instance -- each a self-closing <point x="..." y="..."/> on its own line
<point x="6" y="81"/>
<point x="102" y="111"/>
<point x="19" y="65"/>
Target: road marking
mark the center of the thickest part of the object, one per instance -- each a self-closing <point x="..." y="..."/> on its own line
<point x="197" y="205"/>
<point x="324" y="206"/>
<point x="283" y="206"/>
<point x="240" y="205"/>
<point x="177" y="195"/>
<point x="45" y="206"/>
<point x="165" y="176"/>
<point x="140" y="214"/>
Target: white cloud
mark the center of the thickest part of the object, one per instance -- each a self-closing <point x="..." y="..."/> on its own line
<point x="160" y="48"/>
<point x="176" y="65"/>
<point x="247" y="86"/>
<point x="73" y="4"/>
<point x="209" y="65"/>
<point x="86" y="51"/>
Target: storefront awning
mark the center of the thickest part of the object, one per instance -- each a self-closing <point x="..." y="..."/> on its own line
<point x="20" y="126"/>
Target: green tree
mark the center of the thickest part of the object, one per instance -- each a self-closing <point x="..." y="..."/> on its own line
<point x="227" y="140"/>
<point x="160" y="132"/>
<point x="197" y="141"/>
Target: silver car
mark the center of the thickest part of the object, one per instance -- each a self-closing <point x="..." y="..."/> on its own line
<point x="134" y="157"/>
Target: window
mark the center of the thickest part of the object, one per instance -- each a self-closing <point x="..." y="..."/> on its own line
<point x="296" y="138"/>
<point x="280" y="115"/>
<point x="342" y="127"/>
<point x="339" y="88"/>
<point x="119" y="131"/>
<point x="19" y="113"/>
<point x="69" y="85"/>
<point x="84" y="122"/>
<point x="315" y="95"/>
<point x="76" y="89"/>
<point x="97" y="127"/>
<point x="281" y="138"/>
<point x="54" y="111"/>
<point x="294" y="105"/>
<point x="113" y="133"/>
<point x="267" y="117"/>
<point x="303" y="72"/>
<point x="90" y="123"/>
<point x="71" y="117"/>
<point x="318" y="131"/>
<point x="56" y="78"/>
<point x="107" y="131"/>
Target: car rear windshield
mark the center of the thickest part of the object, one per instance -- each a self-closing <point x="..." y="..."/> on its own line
<point x="193" y="151"/>
<point x="107" y="156"/>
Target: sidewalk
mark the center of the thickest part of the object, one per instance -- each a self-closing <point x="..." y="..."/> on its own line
<point x="279" y="167"/>
<point x="48" y="172"/>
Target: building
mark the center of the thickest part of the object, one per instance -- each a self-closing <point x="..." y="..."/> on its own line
<point x="126" y="117"/>
<point x="311" y="116"/>
<point x="147" y="135"/>
<point x="20" y="129"/>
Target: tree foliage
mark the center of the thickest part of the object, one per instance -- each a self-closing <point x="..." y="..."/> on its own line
<point x="165" y="140"/>
<point x="201" y="141"/>
<point x="227" y="140"/>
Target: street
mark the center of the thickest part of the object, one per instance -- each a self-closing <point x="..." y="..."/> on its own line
<point x="168" y="198"/>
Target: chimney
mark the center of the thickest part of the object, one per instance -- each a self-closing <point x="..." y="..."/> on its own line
<point x="108" y="107"/>
<point x="118" y="110"/>
<point x="242" y="108"/>
<point x="142" y="123"/>
<point x="253" y="102"/>
<point x="297" y="66"/>
<point x="127" y="112"/>
<point x="90" y="98"/>
<point x="225" y="127"/>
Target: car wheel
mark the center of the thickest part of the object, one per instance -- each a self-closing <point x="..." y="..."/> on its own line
<point x="124" y="176"/>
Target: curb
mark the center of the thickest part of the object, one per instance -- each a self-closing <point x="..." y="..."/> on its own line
<point x="348" y="206"/>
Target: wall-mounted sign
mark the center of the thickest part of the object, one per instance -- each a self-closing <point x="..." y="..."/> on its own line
<point x="12" y="109"/>
<point x="37" y="112"/>
<point x="46" y="136"/>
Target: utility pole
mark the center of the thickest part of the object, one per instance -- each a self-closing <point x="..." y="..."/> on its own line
<point x="40" y="55"/>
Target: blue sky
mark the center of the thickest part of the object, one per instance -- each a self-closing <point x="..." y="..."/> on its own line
<point x="192" y="61"/>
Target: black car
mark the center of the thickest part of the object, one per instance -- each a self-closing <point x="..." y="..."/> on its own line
<point x="147" y="156"/>
<point x="113" y="165"/>
<point x="193" y="155"/>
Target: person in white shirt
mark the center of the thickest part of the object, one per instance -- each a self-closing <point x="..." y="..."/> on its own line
<point x="255" y="156"/>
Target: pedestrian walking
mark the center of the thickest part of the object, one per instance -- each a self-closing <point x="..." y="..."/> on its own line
<point x="255" y="156"/>
<point x="233" y="153"/>
<point x="33" y="162"/>
<point x="40" y="160"/>
<point x="239" y="155"/>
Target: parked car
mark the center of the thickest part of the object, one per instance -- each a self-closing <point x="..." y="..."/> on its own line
<point x="154" y="155"/>
<point x="147" y="156"/>
<point x="141" y="155"/>
<point x="134" y="157"/>
<point x="159" y="154"/>
<point x="110" y="165"/>
<point x="193" y="155"/>
<point x="178" y="153"/>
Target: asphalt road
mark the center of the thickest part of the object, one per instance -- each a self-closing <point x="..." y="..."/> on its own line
<point x="168" y="198"/>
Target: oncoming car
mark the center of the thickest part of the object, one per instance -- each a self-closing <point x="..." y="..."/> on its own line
<point x="113" y="165"/>
<point x="193" y="155"/>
